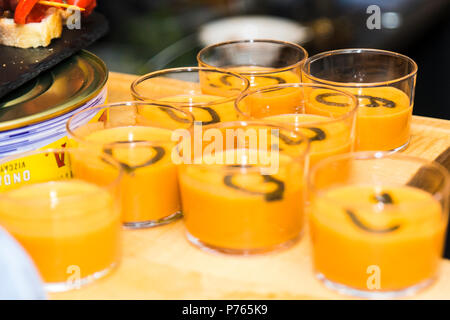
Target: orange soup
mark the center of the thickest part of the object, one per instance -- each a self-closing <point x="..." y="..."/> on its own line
<point x="149" y="188"/>
<point x="61" y="232"/>
<point x="384" y="118"/>
<point x="397" y="231"/>
<point x="206" y="108"/>
<point x="234" y="208"/>
<point x="326" y="138"/>
<point x="263" y="76"/>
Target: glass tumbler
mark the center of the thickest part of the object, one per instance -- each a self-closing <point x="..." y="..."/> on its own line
<point x="68" y="221"/>
<point x="384" y="83"/>
<point x="324" y="114"/>
<point x="243" y="190"/>
<point x="378" y="222"/>
<point x="207" y="93"/>
<point x="139" y="135"/>
<point x="262" y="62"/>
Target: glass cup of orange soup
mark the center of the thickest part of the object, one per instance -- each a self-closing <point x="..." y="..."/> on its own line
<point x="262" y="62"/>
<point x="207" y="93"/>
<point x="243" y="190"/>
<point x="67" y="221"/>
<point x="378" y="222"/>
<point x="325" y="115"/>
<point x="139" y="136"/>
<point x="384" y="83"/>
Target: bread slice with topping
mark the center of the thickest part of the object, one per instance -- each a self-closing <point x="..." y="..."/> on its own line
<point x="31" y="35"/>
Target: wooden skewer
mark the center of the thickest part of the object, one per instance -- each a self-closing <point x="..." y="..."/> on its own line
<point x="60" y="5"/>
<point x="421" y="178"/>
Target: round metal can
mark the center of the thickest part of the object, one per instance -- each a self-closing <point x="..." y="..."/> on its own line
<point x="34" y="116"/>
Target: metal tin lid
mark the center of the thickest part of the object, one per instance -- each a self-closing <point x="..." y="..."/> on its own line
<point x="62" y="89"/>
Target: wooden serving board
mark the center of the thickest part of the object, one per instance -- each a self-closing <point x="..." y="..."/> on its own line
<point x="159" y="263"/>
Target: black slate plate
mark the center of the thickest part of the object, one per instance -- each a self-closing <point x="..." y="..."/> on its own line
<point x="18" y="66"/>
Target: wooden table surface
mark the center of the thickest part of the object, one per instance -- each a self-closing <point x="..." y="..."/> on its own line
<point x="159" y="263"/>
